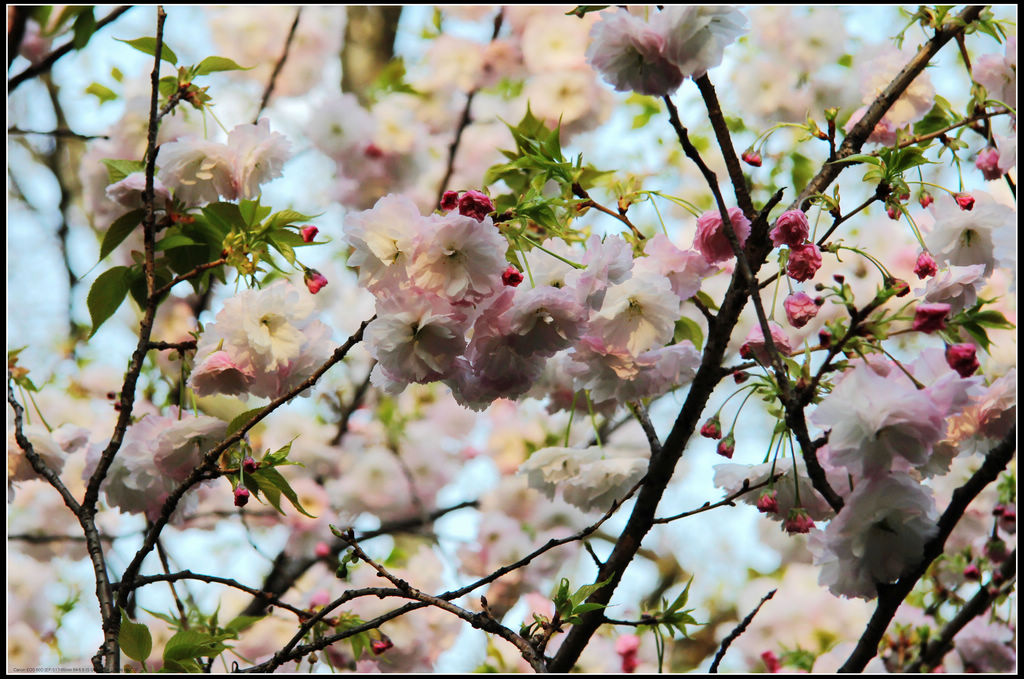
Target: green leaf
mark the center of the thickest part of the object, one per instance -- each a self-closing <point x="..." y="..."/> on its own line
<point x="148" y="46"/>
<point x="134" y="639"/>
<point x="182" y="666"/>
<point x="168" y="85"/>
<point x="215" y="64"/>
<point x="101" y="92"/>
<point x="992" y="319"/>
<point x="119" y="168"/>
<point x="286" y="217"/>
<point x="242" y="623"/>
<point x="279" y="456"/>
<point x="224" y="216"/>
<point x="285" y="250"/>
<point x="687" y="329"/>
<point x="281" y="483"/>
<point x="581" y="10"/>
<point x="240" y="420"/>
<point x="585" y="591"/>
<point x="190" y="643"/>
<point x="119" y="230"/>
<point x="860" y="158"/>
<point x="85" y="26"/>
<point x="106" y="295"/>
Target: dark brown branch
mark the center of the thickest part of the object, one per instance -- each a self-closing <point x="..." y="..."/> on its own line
<point x="47" y="63"/>
<point x="732" y="161"/>
<point x="278" y="66"/>
<point x="189" y="274"/>
<point x="740" y="629"/>
<point x="890" y="596"/>
<point x="353" y="406"/>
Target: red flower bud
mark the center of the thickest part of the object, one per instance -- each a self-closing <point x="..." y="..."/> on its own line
<point x="712" y="429"/>
<point x="476" y="205"/>
<point x="751" y="158"/>
<point x="771" y="662"/>
<point x="798" y="521"/>
<point x="511" y="277"/>
<point x="925" y="266"/>
<point x="378" y="646"/>
<point x="727" y="446"/>
<point x="308" y="233"/>
<point x="963" y="358"/>
<point x="930" y="317"/>
<point x="768" y="503"/>
<point x="971" y="572"/>
<point x="965" y="201"/>
<point x="314" y="280"/>
<point x="241" y="496"/>
<point x="450" y="200"/>
<point x="925" y="199"/>
<point x="250" y="465"/>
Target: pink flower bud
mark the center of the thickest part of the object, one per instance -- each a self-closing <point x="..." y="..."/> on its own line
<point x="314" y="280"/>
<point x="900" y="286"/>
<point x="712" y="429"/>
<point x="930" y="317"/>
<point x="800" y="309"/>
<point x="1008" y="519"/>
<point x="241" y="496"/>
<point x="308" y="233"/>
<point x="892" y="213"/>
<point x="378" y="646"/>
<point x="476" y="205"/>
<point x="798" y="521"/>
<point x="791" y="228"/>
<point x="771" y="662"/>
<point x="250" y="465"/>
<point x="925" y="199"/>
<point x="626" y="646"/>
<point x="925" y="266"/>
<point x="711" y="240"/>
<point x="971" y="572"/>
<point x="373" y="151"/>
<point x="727" y="446"/>
<point x="511" y="277"/>
<point x="739" y="377"/>
<point x="751" y="158"/>
<point x="824" y="337"/>
<point x="804" y="261"/>
<point x="988" y="163"/>
<point x="322" y="550"/>
<point x="965" y="201"/>
<point x="963" y="358"/>
<point x="768" y="503"/>
<point x="450" y="200"/>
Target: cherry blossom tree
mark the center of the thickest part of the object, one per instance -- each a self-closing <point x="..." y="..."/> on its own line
<point x="410" y="339"/>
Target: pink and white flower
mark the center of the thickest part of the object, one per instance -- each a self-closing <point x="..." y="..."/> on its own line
<point x="711" y="239"/>
<point x="879" y="535"/>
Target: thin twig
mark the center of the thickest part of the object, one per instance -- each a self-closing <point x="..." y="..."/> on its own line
<point x="50" y="59"/>
<point x="740" y="629"/>
<point x="60" y="134"/>
<point x="278" y="66"/>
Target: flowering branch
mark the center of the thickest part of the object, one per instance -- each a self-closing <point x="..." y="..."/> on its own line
<point x="932" y="654"/>
<point x="891" y="596"/>
<point x="189" y="274"/>
<point x="729" y="500"/>
<point x="878" y="108"/>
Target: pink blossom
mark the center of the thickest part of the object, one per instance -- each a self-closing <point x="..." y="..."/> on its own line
<point x="461" y="260"/>
<point x="626" y="646"/>
<point x="241" y="496"/>
<point x="711" y="239"/>
<point x="884" y="132"/>
<point x="543" y="320"/>
<point x="965" y="201"/>
<point x="998" y="74"/>
<point x="696" y="35"/>
<point x="926" y="199"/>
<point x="791" y="228"/>
<point x="308" y="233"/>
<point x="416" y="338"/>
<point x="314" y="280"/>
<point x="629" y="54"/>
<point x="925" y="265"/>
<point x="685" y="269"/>
<point x="128" y="192"/>
<point x="972" y="572"/>
<point x="755" y="346"/>
<point x="804" y="261"/>
<point x="220" y="373"/>
<point x="476" y="205"/>
<point x="963" y="359"/>
<point x="800" y="309"/>
<point x="930" y="317"/>
<point x="322" y="550"/>
<point x="988" y="163"/>
<point x="879" y="535"/>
